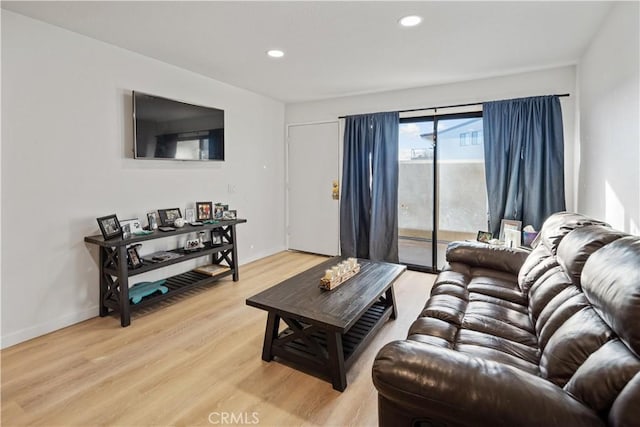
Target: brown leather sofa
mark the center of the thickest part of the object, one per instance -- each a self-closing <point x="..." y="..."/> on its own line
<point x="512" y="338"/>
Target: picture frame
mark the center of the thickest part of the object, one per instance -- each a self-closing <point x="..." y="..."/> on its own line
<point x="133" y="256"/>
<point x="509" y="224"/>
<point x="168" y="216"/>
<point x="216" y="237"/>
<point x="512" y="238"/>
<point x="152" y="218"/>
<point x="230" y="214"/>
<point x="204" y="211"/>
<point x="192" y="245"/>
<point x="126" y="231"/>
<point x="190" y="215"/>
<point x="218" y="211"/>
<point x="109" y="226"/>
<point x="484" y="236"/>
<point x="131" y="225"/>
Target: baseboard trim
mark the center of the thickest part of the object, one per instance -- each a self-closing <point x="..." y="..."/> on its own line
<point x="49" y="326"/>
<point x="263" y="254"/>
<point x="53" y="325"/>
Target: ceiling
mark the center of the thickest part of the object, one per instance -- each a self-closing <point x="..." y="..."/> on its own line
<point x="336" y="48"/>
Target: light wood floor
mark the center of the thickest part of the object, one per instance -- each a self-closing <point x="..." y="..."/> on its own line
<point x="190" y="362"/>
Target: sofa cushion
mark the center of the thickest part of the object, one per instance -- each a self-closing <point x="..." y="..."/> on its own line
<point x="559" y="225"/>
<point x="611" y="283"/>
<point x="478" y="297"/>
<point x="601" y="378"/>
<point x="564" y="305"/>
<point x="499" y="328"/>
<point x="625" y="410"/>
<point x="433" y="327"/>
<point x="483" y="352"/>
<point x="578" y="245"/>
<point x="581" y="335"/>
<point x="493" y="257"/>
<point x="449" y="308"/>
<point x="527" y="353"/>
<point x="546" y="288"/>
<point x="481" y="312"/>
<point x="538" y="263"/>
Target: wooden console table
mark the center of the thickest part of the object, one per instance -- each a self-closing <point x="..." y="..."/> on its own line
<point x="115" y="271"/>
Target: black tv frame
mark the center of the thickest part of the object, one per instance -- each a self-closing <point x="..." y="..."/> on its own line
<point x="135" y="133"/>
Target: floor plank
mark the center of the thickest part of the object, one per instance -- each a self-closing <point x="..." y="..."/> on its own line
<point x="194" y="360"/>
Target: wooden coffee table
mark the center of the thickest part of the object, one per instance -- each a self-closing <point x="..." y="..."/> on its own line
<point x="327" y="330"/>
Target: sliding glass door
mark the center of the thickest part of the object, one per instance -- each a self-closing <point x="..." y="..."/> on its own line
<point x="441" y="189"/>
<point x="461" y="204"/>
<point x="415" y="192"/>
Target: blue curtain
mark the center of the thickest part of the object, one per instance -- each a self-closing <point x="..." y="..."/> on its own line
<point x="524" y="160"/>
<point x="369" y="202"/>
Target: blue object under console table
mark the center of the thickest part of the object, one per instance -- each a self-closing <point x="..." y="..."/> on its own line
<point x="115" y="271"/>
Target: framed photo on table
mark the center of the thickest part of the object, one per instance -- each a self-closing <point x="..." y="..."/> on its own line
<point x="152" y="217"/>
<point x="190" y="215"/>
<point x="109" y="226"/>
<point x="134" y="257"/>
<point x="512" y="238"/>
<point x="133" y="225"/>
<point x="509" y="224"/>
<point x="230" y="214"/>
<point x="168" y="216"/>
<point x="219" y="209"/>
<point x="204" y="210"/>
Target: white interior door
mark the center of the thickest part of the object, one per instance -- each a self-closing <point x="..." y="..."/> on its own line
<point x="312" y="167"/>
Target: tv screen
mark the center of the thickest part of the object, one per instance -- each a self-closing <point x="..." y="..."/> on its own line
<point x="167" y="129"/>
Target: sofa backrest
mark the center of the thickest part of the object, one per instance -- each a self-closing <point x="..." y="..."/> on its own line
<point x="577" y="246"/>
<point x="543" y="256"/>
<point x="610" y="377"/>
<point x="583" y="284"/>
<point x="559" y="225"/>
<point x="611" y="283"/>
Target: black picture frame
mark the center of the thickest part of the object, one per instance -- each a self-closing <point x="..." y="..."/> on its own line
<point x="152" y="218"/>
<point x="204" y="211"/>
<point x="134" y="257"/>
<point x="109" y="226"/>
<point x="218" y="211"/>
<point x="484" y="236"/>
<point x="168" y="216"/>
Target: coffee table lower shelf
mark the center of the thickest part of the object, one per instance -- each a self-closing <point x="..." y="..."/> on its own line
<point x="324" y="352"/>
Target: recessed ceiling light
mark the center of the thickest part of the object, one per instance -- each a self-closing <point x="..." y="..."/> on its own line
<point x="275" y="53"/>
<point x="410" y="21"/>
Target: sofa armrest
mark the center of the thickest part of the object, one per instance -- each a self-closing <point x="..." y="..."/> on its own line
<point x="478" y="254"/>
<point x="452" y="388"/>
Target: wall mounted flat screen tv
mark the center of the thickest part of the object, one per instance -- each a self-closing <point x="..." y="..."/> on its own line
<point x="173" y="130"/>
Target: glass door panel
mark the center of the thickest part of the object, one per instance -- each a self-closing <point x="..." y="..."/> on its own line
<point x="415" y="193"/>
<point x="462" y="195"/>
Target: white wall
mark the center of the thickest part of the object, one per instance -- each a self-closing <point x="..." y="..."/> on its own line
<point x="546" y="82"/>
<point x="608" y="76"/>
<point x="66" y="160"/>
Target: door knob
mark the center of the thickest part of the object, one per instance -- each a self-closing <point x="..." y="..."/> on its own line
<point x="335" y="191"/>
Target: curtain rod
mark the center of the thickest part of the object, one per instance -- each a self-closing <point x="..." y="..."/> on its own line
<point x="453" y="106"/>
